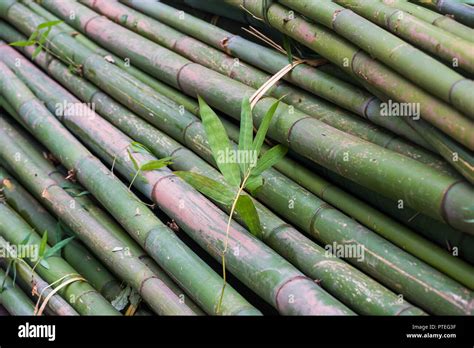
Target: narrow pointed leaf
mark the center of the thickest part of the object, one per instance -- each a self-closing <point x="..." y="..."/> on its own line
<point x="58" y="246"/>
<point x="263" y="129"/>
<point x="44" y="242"/>
<point x="246" y="132"/>
<point x="219" y="143"/>
<point x="246" y="210"/>
<point x="210" y="188"/>
<point x="140" y="148"/>
<point x="254" y="183"/>
<point x="36" y="52"/>
<point x="22" y="43"/>
<point x="49" y="24"/>
<point x="269" y="158"/>
<point x="156" y="164"/>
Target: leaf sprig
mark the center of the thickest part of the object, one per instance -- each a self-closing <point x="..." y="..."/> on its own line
<point x="238" y="176"/>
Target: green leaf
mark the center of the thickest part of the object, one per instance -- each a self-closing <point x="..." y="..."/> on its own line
<point x="287" y="46"/>
<point x="36" y="52"/>
<point x="44" y="242"/>
<point x="48" y="24"/>
<point x="246" y="210"/>
<point x="58" y="246"/>
<point x="210" y="188"/>
<point x="254" y="183"/>
<point x="263" y="128"/>
<point x="27" y="238"/>
<point x="135" y="164"/>
<point x="44" y="263"/>
<point x="44" y="36"/>
<point x="80" y="194"/>
<point x="269" y="158"/>
<point x="219" y="143"/>
<point x="140" y="148"/>
<point x="246" y="132"/>
<point x="33" y="35"/>
<point x="22" y="43"/>
<point x="156" y="164"/>
<point x="6" y="275"/>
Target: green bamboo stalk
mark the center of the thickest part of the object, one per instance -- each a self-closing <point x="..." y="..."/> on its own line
<point x="456" y="51"/>
<point x="83" y="261"/>
<point x="372" y="218"/>
<point x="461" y="12"/>
<point x="29" y="280"/>
<point x="93" y="136"/>
<point x="440" y="21"/>
<point x="408" y="61"/>
<point x="253" y="258"/>
<point x="13" y="299"/>
<point x="311" y="79"/>
<point x="353" y="60"/>
<point x="389" y="173"/>
<point x="221" y="62"/>
<point x="454" y="241"/>
<point x="80" y="295"/>
<point x="277" y="235"/>
<point x="74" y="253"/>
<point x="131" y="269"/>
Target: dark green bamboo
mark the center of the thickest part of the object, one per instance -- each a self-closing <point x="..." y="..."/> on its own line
<point x="459" y="11"/>
<point x="87" y="265"/>
<point x="407" y="60"/>
<point x="456" y="51"/>
<point x="253" y="258"/>
<point x="80" y="295"/>
<point x="93" y="135"/>
<point x="389" y="173"/>
<point x="312" y="79"/>
<point x="353" y="60"/>
<point x="440" y="21"/>
<point x="29" y="279"/>
<point x="13" y="299"/>
<point x="454" y="241"/>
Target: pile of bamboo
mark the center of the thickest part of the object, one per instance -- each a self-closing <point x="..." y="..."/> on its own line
<point x="108" y="167"/>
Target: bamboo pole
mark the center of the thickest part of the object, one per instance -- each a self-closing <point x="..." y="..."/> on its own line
<point x="396" y="176"/>
<point x="452" y="49"/>
<point x="80" y="295"/>
<point x="94" y="136"/>
<point x="13" y="299"/>
<point x="247" y="266"/>
<point x="34" y="284"/>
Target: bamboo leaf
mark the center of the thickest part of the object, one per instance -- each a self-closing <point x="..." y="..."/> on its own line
<point x="27" y="238"/>
<point x="135" y="164"/>
<point x="44" y="242"/>
<point x="287" y="46"/>
<point x="140" y="148"/>
<point x="156" y="164"/>
<point x="219" y="143"/>
<point x="44" y="36"/>
<point x="254" y="183"/>
<point x="246" y="132"/>
<point x="36" y="52"/>
<point x="80" y="194"/>
<point x="263" y="128"/>
<point x="6" y="275"/>
<point x="22" y="43"/>
<point x="269" y="158"/>
<point x="58" y="246"/>
<point x="48" y="24"/>
<point x="33" y="36"/>
<point x="44" y="263"/>
<point x="247" y="211"/>
<point x="210" y="188"/>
